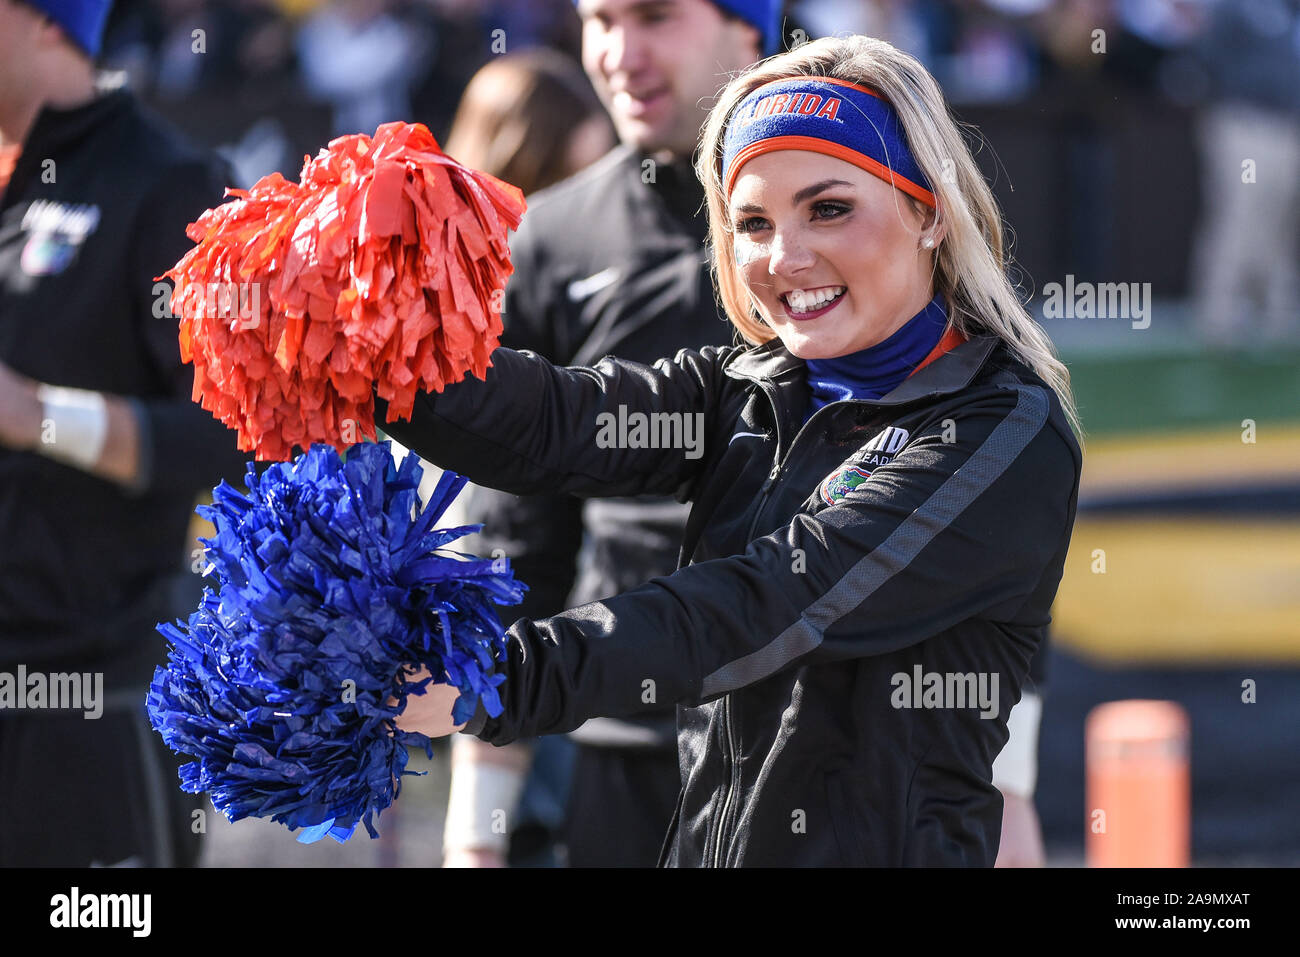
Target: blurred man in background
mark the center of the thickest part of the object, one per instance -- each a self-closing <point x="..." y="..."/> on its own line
<point x="1247" y="269"/>
<point x="102" y="450"/>
<point x="611" y="262"/>
<point x="532" y="119"/>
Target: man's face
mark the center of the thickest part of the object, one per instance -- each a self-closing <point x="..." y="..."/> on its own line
<point x="19" y="26"/>
<point x="658" y="64"/>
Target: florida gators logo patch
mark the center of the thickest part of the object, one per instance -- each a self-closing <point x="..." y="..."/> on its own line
<point x="841" y="482"/>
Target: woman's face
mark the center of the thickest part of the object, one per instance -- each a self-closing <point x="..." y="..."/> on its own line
<point x="831" y="254"/>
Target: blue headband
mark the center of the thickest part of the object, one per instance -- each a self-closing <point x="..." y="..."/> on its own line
<point x="824" y="115"/>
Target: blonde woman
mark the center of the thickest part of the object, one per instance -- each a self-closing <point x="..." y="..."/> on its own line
<point x="883" y="480"/>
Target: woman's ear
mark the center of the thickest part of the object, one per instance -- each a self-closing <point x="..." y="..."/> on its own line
<point x="933" y="227"/>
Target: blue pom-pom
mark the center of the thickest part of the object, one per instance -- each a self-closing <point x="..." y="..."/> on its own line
<point x="330" y="579"/>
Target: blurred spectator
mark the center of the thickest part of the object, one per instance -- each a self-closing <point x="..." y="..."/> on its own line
<point x="102" y="450"/>
<point x="472" y="32"/>
<point x="176" y="49"/>
<point x="901" y="22"/>
<point x="530" y="118"/>
<point x="364" y="58"/>
<point x="1246" y="268"/>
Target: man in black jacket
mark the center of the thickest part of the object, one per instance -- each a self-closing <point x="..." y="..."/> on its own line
<point x="102" y="450"/>
<point x="612" y="262"/>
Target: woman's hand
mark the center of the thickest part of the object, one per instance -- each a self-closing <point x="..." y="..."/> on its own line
<point x="429" y="713"/>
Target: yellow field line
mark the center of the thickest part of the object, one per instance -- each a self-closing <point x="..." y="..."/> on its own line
<point x="1149" y="589"/>
<point x="1192" y="459"/>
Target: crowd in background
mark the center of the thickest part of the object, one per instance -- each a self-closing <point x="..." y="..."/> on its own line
<point x="1094" y="109"/>
<point x="371" y="61"/>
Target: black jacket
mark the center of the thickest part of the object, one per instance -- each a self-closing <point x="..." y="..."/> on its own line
<point x="808" y="588"/>
<point x="96" y="208"/>
<point x="632" y="282"/>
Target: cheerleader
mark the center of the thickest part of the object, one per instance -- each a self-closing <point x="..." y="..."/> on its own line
<point x="881" y="507"/>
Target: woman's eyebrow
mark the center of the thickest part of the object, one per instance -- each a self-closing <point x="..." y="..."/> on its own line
<point x="810" y="191"/>
<point x="806" y="193"/>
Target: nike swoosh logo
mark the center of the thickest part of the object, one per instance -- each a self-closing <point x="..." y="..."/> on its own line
<point x="757" y="435"/>
<point x="580" y="289"/>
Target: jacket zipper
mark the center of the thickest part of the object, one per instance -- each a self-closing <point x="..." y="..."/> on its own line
<point x="730" y="748"/>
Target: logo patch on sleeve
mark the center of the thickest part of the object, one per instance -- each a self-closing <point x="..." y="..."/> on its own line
<point x="841" y="482"/>
<point x="879" y="451"/>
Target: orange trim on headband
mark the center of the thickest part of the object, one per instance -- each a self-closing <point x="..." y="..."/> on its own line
<point x="817" y="79"/>
<point x="816" y="144"/>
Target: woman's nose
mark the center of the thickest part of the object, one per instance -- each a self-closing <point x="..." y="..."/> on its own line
<point x="788" y="255"/>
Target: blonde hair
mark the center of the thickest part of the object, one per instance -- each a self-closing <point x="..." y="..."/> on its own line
<point x="970" y="261"/>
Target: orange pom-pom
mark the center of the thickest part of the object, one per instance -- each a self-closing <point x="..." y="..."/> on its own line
<point x="383" y="269"/>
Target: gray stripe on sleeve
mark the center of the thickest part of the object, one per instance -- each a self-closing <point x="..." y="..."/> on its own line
<point x="972" y="479"/>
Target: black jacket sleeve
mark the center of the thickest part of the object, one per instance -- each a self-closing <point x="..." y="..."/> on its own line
<point x="947" y="532"/>
<point x="533" y="427"/>
<point x="182" y="446"/>
<point x="540" y="534"/>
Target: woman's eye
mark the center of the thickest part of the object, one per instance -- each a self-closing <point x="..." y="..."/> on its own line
<point x="751" y="225"/>
<point x="829" y="210"/>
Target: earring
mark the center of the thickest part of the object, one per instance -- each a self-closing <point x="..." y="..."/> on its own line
<point x="928" y="242"/>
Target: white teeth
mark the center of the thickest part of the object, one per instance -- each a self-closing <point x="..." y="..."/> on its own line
<point x="801" y="301"/>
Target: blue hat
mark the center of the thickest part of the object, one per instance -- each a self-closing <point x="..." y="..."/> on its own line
<point x="763" y="15"/>
<point x="82" y="20"/>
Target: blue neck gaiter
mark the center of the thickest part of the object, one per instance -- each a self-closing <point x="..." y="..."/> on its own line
<point x="879" y="369"/>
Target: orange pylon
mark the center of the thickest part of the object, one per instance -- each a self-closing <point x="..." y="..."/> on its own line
<point x="1139" y="794"/>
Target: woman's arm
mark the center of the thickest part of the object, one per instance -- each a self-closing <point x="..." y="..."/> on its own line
<point x="533" y="427"/>
<point x="947" y="532"/>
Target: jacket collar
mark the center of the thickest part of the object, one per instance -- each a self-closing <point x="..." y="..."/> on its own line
<point x="675" y="185"/>
<point x="951" y="372"/>
<point x="56" y="132"/>
<point x="55" y="128"/>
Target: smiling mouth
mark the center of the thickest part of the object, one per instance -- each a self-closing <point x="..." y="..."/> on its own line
<point x="806" y="303"/>
<point x="637" y="104"/>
